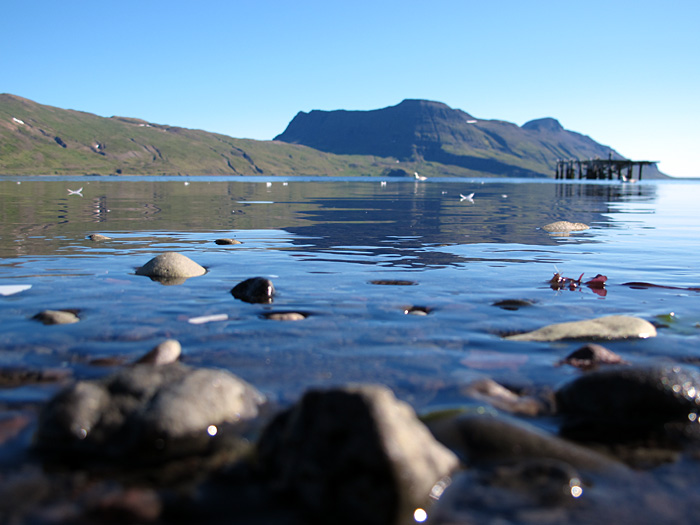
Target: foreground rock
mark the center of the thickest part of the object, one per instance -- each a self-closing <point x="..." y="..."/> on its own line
<point x="171" y="268"/>
<point x="625" y="403"/>
<point x="565" y="227"/>
<point x="609" y="327"/>
<point x="254" y="290"/>
<point x="353" y="455"/>
<point x="145" y="411"/>
<point x="166" y="352"/>
<point x="485" y="439"/>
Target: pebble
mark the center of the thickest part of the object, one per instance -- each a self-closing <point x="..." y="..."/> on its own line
<point x="50" y="317"/>
<point x="609" y="327"/>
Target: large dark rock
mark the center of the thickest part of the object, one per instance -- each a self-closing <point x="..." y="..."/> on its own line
<point x="353" y="455"/>
<point x="628" y="402"/>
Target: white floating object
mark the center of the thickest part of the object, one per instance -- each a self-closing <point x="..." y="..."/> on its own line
<point x="208" y="319"/>
<point x="11" y="289"/>
<point x="468" y="198"/>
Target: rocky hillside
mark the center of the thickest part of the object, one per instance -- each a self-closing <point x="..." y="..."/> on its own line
<point x="424" y="131"/>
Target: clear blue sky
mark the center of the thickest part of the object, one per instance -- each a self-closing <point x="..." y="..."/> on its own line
<point x="626" y="73"/>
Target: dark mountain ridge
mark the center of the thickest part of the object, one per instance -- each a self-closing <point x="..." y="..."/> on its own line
<point x="425" y="131"/>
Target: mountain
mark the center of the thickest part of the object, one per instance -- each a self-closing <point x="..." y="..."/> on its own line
<point x="419" y="131"/>
<point x="415" y="135"/>
<point x="43" y="140"/>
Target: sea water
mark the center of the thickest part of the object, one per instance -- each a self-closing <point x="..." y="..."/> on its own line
<point x="358" y="258"/>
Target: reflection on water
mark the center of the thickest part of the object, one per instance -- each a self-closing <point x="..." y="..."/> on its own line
<point x="336" y="218"/>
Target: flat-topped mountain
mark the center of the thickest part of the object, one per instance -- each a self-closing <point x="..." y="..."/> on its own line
<point x="426" y="131"/>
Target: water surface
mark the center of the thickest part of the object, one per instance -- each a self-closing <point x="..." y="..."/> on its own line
<point x="324" y="243"/>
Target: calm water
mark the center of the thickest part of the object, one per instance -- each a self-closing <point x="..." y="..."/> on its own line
<point x="322" y="243"/>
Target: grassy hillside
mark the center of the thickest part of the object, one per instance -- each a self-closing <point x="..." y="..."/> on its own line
<point x="40" y="140"/>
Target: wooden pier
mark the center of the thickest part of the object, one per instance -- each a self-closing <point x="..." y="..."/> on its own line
<point x="601" y="169"/>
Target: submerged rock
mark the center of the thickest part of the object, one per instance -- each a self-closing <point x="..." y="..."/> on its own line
<point x="609" y="327"/>
<point x="171" y="268"/>
<point x="353" y="455"/>
<point x="504" y="399"/>
<point x="590" y="356"/>
<point x="285" y="316"/>
<point x="254" y="290"/>
<point x="50" y="317"/>
<point x="145" y="411"/>
<point x="628" y="402"/>
<point x="565" y="226"/>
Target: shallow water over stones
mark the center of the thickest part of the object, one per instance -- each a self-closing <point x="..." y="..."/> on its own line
<point x="402" y="285"/>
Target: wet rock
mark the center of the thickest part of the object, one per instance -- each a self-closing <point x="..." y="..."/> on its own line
<point x="166" y="352"/>
<point x="565" y="226"/>
<point x="254" y="290"/>
<point x="224" y="242"/>
<point x="145" y="411"/>
<point x="171" y="268"/>
<point x="609" y="327"/>
<point x="285" y="316"/>
<point x="625" y="403"/>
<point x="485" y="439"/>
<point x="513" y="304"/>
<point x="353" y="455"/>
<point x="504" y="399"/>
<point x="49" y="317"/>
<point x="590" y="356"/>
<point x="98" y="237"/>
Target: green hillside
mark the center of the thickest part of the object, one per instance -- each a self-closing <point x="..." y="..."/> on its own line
<point x="43" y="140"/>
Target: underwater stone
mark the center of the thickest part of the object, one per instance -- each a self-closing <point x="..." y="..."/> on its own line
<point x="166" y="352"/>
<point x="565" y="226"/>
<point x="609" y="327"/>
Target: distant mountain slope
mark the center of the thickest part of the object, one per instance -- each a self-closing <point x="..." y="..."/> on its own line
<point x="421" y="130"/>
<point x="38" y="139"/>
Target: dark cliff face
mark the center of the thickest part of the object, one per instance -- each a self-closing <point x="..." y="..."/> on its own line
<point x="421" y="130"/>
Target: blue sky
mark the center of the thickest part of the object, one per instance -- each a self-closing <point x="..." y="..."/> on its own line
<point x="626" y="73"/>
